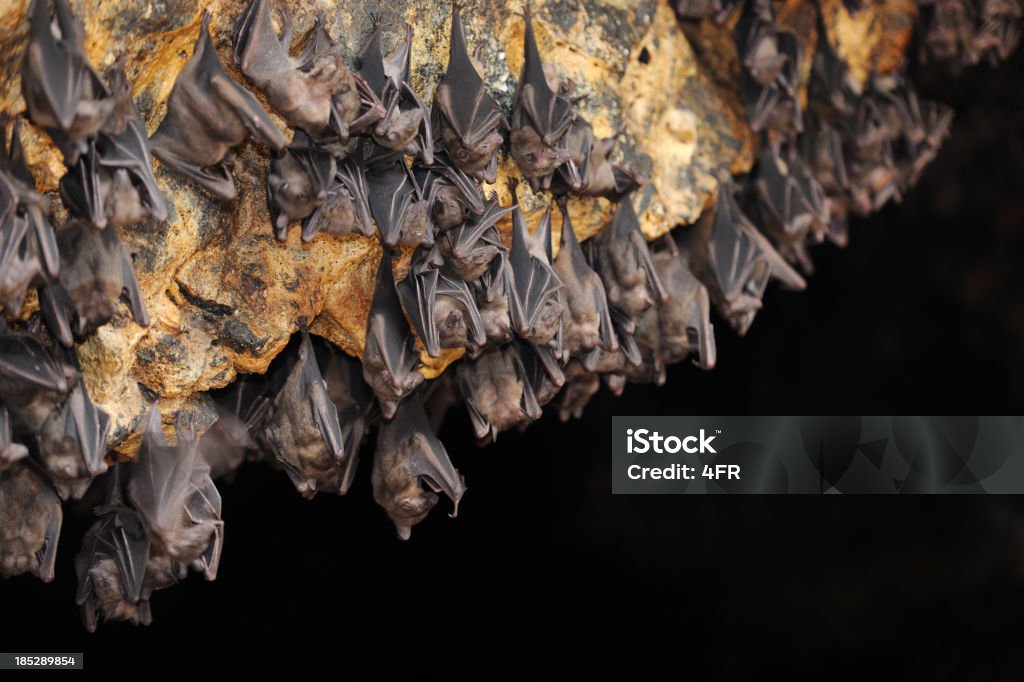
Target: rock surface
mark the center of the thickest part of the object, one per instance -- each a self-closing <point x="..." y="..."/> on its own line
<point x="225" y="297"/>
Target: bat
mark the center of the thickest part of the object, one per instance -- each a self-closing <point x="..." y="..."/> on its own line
<point x="73" y="442"/>
<point x="28" y="248"/>
<point x="471" y="247"/>
<point x="345" y="208"/>
<point x="651" y="368"/>
<point x="399" y="207"/>
<point x="10" y="450"/>
<point x="111" y="565"/>
<point x="302" y="427"/>
<point x="457" y="197"/>
<point x="441" y="306"/>
<point x="356" y="406"/>
<point x="684" y="319"/>
<point x="832" y="93"/>
<point x="622" y="259"/>
<point x="949" y="32"/>
<point x="96" y="273"/>
<point x="315" y="92"/>
<point x="543" y="371"/>
<point x="207" y="115"/>
<point x="464" y="116"/>
<point x="916" y="129"/>
<point x="581" y="385"/>
<point x="298" y="180"/>
<point x="32" y="518"/>
<point x="390" y="360"/>
<point x="497" y="392"/>
<point x="998" y="30"/>
<point x="540" y="118"/>
<point x="63" y="93"/>
<point x="793" y="205"/>
<point x="734" y="260"/>
<point x="586" y="318"/>
<point x="171" y="489"/>
<point x="241" y="409"/>
<point x="33" y="380"/>
<point x="403" y="129"/>
<point x="589" y="172"/>
<point x="771" y="58"/>
<point x="494" y="300"/>
<point x="112" y="183"/>
<point x="410" y="467"/>
<point x="536" y="306"/>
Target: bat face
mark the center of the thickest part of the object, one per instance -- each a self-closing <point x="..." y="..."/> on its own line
<point x="497" y="392"/>
<point x="409" y="456"/>
<point x="457" y="197"/>
<point x="33" y="380"/>
<point x="302" y="428"/>
<point x="96" y="272"/>
<point x="207" y="115"/>
<point x="111" y="564"/>
<point x="171" y="488"/>
<point x="390" y="360"/>
<point x="32" y="519"/>
<point x="586" y="320"/>
<point x="345" y="208"/>
<point x="73" y="443"/>
<point x="471" y="247"/>
<point x="297" y="183"/>
<point x="464" y="116"/>
<point x="63" y="94"/>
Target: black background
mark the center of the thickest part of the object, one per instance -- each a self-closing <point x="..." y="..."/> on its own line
<point x="922" y="313"/>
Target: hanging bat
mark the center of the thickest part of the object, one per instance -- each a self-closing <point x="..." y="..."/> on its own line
<point x="32" y="517"/>
<point x="73" y="442"/>
<point x="111" y="565"/>
<point x="581" y="385"/>
<point x="497" y="391"/>
<point x="684" y="319"/>
<point x="63" y="94"/>
<point x="315" y="92"/>
<point x="536" y="304"/>
<point x="171" y="488"/>
<point x="494" y="299"/>
<point x="408" y="456"/>
<point x="589" y="172"/>
<point x="540" y="118"/>
<point x="207" y="115"/>
<point x="28" y="248"/>
<point x="405" y="127"/>
<point x="949" y="32"/>
<point x="10" y="450"/>
<point x="543" y="371"/>
<point x="390" y="359"/>
<point x="831" y="91"/>
<point x="298" y="179"/>
<point x="398" y="205"/>
<point x="96" y="273"/>
<point x="647" y="338"/>
<point x="771" y="57"/>
<point x="471" y="247"/>
<point x="356" y="406"/>
<point x="345" y="208"/>
<point x="586" y="319"/>
<point x="998" y="30"/>
<point x="241" y="408"/>
<point x="792" y="204"/>
<point x="464" y="117"/>
<point x="440" y="305"/>
<point x="113" y="183"/>
<point x="734" y="260"/>
<point x="457" y="197"/>
<point x="302" y="427"/>
<point x="33" y="380"/>
<point x="622" y="259"/>
<point x="719" y="10"/>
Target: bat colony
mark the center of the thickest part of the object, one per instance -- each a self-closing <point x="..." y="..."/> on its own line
<point x="368" y="156"/>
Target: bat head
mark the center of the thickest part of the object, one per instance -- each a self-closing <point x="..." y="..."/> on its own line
<point x="536" y="158"/>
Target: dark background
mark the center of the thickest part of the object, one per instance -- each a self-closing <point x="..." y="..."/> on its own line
<point x="922" y="313"/>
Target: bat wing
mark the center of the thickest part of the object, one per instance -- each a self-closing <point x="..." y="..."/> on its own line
<point x="325" y="414"/>
<point x="81" y="189"/>
<point x="388" y="337"/>
<point x="550" y="114"/>
<point x="130" y="285"/>
<point x="10" y="451"/>
<point x="626" y="232"/>
<point x="161" y="477"/>
<point x="466" y="237"/>
<point x="472" y="196"/>
<point x="391" y="192"/>
<point x="450" y="284"/>
<point x="258" y="51"/>
<point x="585" y="274"/>
<point x="430" y="460"/>
<point x="26" y="364"/>
<point x="130" y="150"/>
<point x="371" y="59"/>
<point x="461" y="96"/>
<point x="418" y="292"/>
<point x="88" y="426"/>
